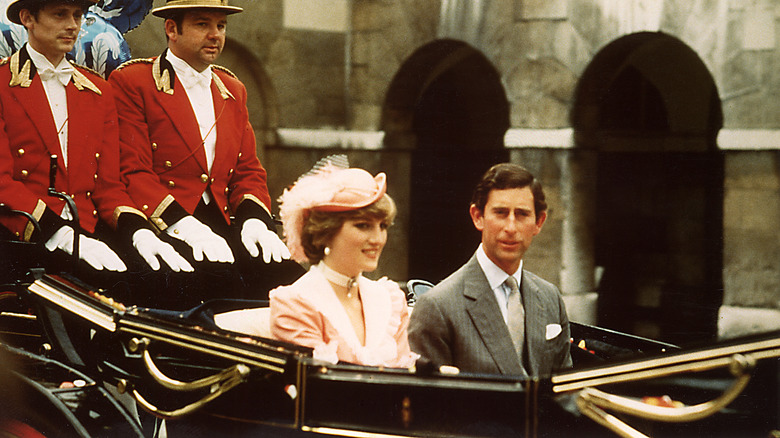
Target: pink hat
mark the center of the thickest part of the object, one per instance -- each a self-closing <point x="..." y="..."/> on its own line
<point x="326" y="188"/>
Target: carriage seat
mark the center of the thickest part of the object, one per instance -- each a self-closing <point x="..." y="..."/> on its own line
<point x="256" y="322"/>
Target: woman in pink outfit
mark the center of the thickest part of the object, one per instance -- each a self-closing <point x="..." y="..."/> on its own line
<point x="336" y="219"/>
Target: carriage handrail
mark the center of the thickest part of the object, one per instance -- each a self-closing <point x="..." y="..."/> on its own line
<point x="236" y="371"/>
<point x="223" y="387"/>
<point x="218" y="383"/>
<point x="6" y="209"/>
<point x="593" y="402"/>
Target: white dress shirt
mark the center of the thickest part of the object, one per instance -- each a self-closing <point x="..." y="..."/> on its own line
<point x="197" y="85"/>
<point x="54" y="80"/>
<point x="496" y="278"/>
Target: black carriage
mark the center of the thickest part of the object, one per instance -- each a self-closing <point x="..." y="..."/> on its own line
<point x="78" y="363"/>
<point x="207" y="381"/>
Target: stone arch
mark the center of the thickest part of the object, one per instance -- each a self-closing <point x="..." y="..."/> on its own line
<point x="679" y="83"/>
<point x="646" y="116"/>
<point x="447" y="106"/>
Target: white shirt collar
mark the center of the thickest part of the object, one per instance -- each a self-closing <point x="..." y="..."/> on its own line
<point x="495" y="275"/>
<point x="188" y="76"/>
<point x="41" y="62"/>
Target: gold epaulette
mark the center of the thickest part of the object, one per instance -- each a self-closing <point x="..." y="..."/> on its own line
<point x="81" y="81"/>
<point x="219" y="67"/>
<point x="135" y="61"/>
<point x="4" y="61"/>
<point x="20" y="75"/>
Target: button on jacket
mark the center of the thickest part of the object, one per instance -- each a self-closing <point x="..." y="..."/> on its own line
<point x="163" y="160"/>
<point x="28" y="137"/>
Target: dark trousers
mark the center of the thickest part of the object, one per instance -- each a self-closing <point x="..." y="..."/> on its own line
<point x="19" y="257"/>
<point x="248" y="278"/>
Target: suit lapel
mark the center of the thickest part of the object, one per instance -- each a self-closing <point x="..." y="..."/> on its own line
<point x="31" y="99"/>
<point x="224" y="147"/>
<point x="226" y="114"/>
<point x="486" y="316"/>
<point x="80" y="119"/>
<point x="177" y="106"/>
<point x="31" y="95"/>
<point x="534" y="325"/>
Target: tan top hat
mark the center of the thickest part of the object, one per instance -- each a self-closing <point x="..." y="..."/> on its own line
<point x="175" y="5"/>
<point x="12" y="12"/>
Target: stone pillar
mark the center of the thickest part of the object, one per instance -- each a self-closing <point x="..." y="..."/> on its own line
<point x="578" y="282"/>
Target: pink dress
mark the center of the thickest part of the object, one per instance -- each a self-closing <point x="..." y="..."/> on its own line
<point x="309" y="313"/>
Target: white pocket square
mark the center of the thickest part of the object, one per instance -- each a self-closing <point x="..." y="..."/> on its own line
<point x="552" y="331"/>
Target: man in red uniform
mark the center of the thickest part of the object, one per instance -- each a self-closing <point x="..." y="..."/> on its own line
<point x="188" y="153"/>
<point x="51" y="107"/>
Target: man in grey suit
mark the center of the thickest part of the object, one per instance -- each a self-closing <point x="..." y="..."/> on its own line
<point x="491" y="316"/>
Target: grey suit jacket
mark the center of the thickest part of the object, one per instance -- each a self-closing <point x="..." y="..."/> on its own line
<point x="459" y="323"/>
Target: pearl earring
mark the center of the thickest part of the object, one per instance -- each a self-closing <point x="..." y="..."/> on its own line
<point x="327" y="250"/>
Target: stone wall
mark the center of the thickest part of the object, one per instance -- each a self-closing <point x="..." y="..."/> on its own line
<point x="751" y="236"/>
<point x="753" y="206"/>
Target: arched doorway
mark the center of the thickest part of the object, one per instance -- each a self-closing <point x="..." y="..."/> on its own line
<point x="649" y="108"/>
<point x="261" y="96"/>
<point x="448" y="106"/>
<point x="263" y="106"/>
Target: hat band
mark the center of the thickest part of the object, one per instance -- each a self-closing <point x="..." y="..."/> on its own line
<point x="197" y="3"/>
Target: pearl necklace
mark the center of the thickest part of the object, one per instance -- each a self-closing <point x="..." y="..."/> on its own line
<point x="339" y="279"/>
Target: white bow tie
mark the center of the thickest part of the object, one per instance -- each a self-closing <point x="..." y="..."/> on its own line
<point x="202" y="79"/>
<point x="62" y="74"/>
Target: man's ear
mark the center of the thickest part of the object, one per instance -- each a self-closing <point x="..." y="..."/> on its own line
<point x="540" y="218"/>
<point x="477" y="217"/>
<point x="170" y="29"/>
<point x="25" y="17"/>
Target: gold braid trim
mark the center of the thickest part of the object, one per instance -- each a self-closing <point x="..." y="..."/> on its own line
<point x="81" y="82"/>
<point x="135" y="61"/>
<point x="37" y="213"/>
<point x="162" y="81"/>
<point x="84" y="67"/>
<point x="20" y="78"/>
<point x="220" y="68"/>
<point x="255" y="199"/>
<point x="223" y="91"/>
<point x="156" y="217"/>
<point x="126" y="209"/>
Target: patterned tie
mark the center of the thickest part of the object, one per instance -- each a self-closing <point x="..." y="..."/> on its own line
<point x="515" y="318"/>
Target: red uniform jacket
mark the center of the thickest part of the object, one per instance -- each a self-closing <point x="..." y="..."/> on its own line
<point x="163" y="161"/>
<point x="28" y="138"/>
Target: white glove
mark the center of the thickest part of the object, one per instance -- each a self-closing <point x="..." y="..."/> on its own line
<point x="255" y="232"/>
<point x="150" y="247"/>
<point x="92" y="251"/>
<point x="202" y="240"/>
